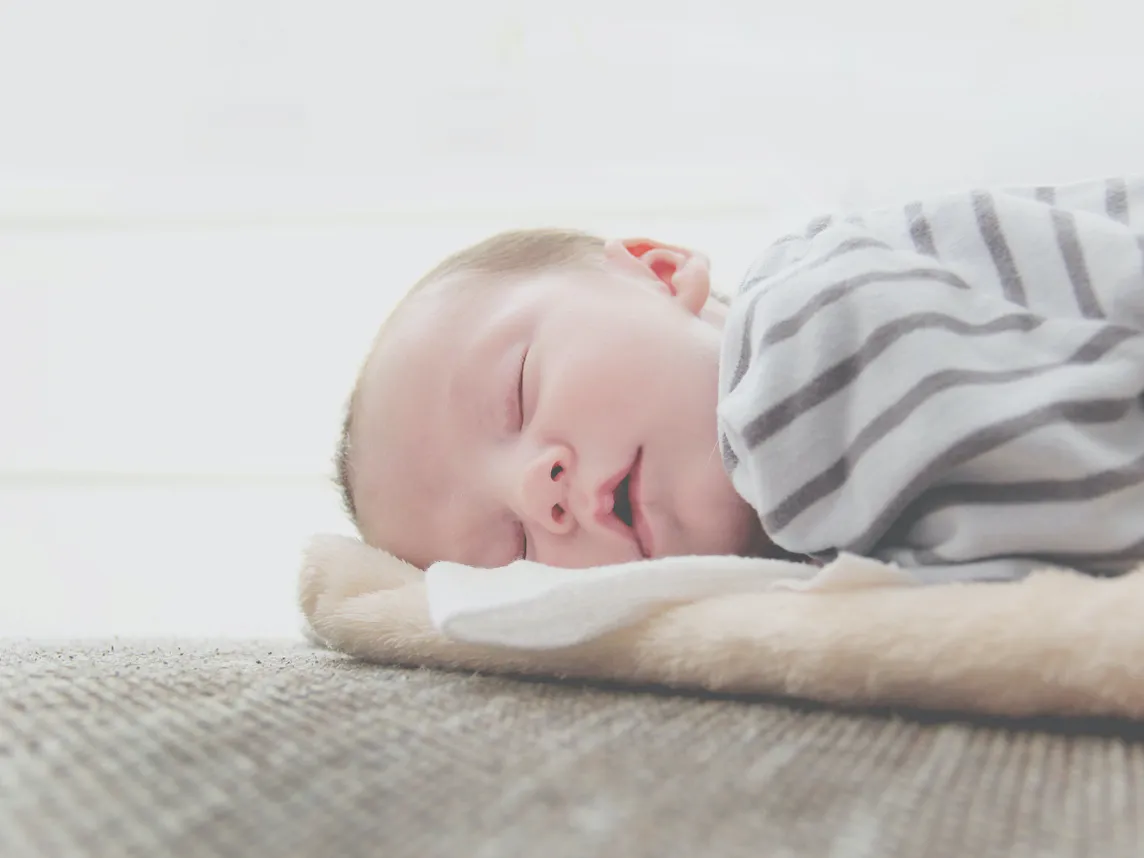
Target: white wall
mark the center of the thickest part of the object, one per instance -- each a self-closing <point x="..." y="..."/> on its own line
<point x="207" y="207"/>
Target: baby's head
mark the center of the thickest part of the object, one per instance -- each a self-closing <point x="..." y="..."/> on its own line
<point x="550" y="395"/>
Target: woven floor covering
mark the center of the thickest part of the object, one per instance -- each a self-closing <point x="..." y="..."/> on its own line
<point x="271" y="748"/>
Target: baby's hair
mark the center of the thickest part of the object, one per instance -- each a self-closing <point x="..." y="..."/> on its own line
<point x="509" y="253"/>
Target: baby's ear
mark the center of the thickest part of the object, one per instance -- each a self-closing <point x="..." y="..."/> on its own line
<point x="684" y="274"/>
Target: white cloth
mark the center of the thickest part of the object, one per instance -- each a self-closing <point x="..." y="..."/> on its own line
<point x="529" y="605"/>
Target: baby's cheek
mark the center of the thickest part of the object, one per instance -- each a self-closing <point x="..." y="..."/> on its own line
<point x="588" y="384"/>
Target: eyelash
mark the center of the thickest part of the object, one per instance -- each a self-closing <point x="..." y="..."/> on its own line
<point x="520" y="394"/>
<point x="520" y="425"/>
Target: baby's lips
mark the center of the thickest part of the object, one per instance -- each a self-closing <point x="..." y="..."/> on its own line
<point x="607" y="504"/>
<point x="605" y="495"/>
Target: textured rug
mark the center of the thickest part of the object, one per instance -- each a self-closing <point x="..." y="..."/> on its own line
<point x="272" y="748"/>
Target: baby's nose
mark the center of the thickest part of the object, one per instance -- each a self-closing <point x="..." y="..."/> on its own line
<point x="546" y="491"/>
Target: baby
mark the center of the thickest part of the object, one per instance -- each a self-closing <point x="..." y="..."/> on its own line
<point x="954" y="386"/>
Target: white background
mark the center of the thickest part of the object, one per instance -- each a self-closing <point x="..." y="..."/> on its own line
<point x="207" y="207"/>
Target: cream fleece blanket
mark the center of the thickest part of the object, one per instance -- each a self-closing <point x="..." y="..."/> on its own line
<point x="1056" y="642"/>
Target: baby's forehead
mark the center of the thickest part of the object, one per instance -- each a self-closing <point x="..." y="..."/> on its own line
<point x="422" y="343"/>
<point x="396" y="436"/>
<point x="457" y="298"/>
<point x="462" y="305"/>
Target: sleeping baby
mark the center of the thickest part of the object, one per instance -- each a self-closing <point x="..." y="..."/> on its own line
<point x="953" y="387"/>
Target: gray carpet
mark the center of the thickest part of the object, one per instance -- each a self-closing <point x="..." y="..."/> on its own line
<point x="251" y="749"/>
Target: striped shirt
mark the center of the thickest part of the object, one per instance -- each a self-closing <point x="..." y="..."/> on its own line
<point x="955" y="386"/>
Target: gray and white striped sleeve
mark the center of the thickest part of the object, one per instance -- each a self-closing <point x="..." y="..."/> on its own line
<point x="955" y="386"/>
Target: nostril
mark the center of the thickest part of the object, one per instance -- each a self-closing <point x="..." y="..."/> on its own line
<point x="557" y="470"/>
<point x="558" y="513"/>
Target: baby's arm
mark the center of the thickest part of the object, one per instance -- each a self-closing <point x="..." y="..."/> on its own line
<point x="889" y="403"/>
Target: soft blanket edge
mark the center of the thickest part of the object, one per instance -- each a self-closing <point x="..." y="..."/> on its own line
<point x="1055" y="643"/>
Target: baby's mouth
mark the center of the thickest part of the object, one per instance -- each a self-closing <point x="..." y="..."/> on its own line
<point x="619" y="507"/>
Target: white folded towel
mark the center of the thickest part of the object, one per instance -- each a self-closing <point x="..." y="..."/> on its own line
<point x="529" y="605"/>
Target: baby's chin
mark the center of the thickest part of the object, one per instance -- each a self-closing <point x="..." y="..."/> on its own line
<point x="728" y="525"/>
<point x="714" y="517"/>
